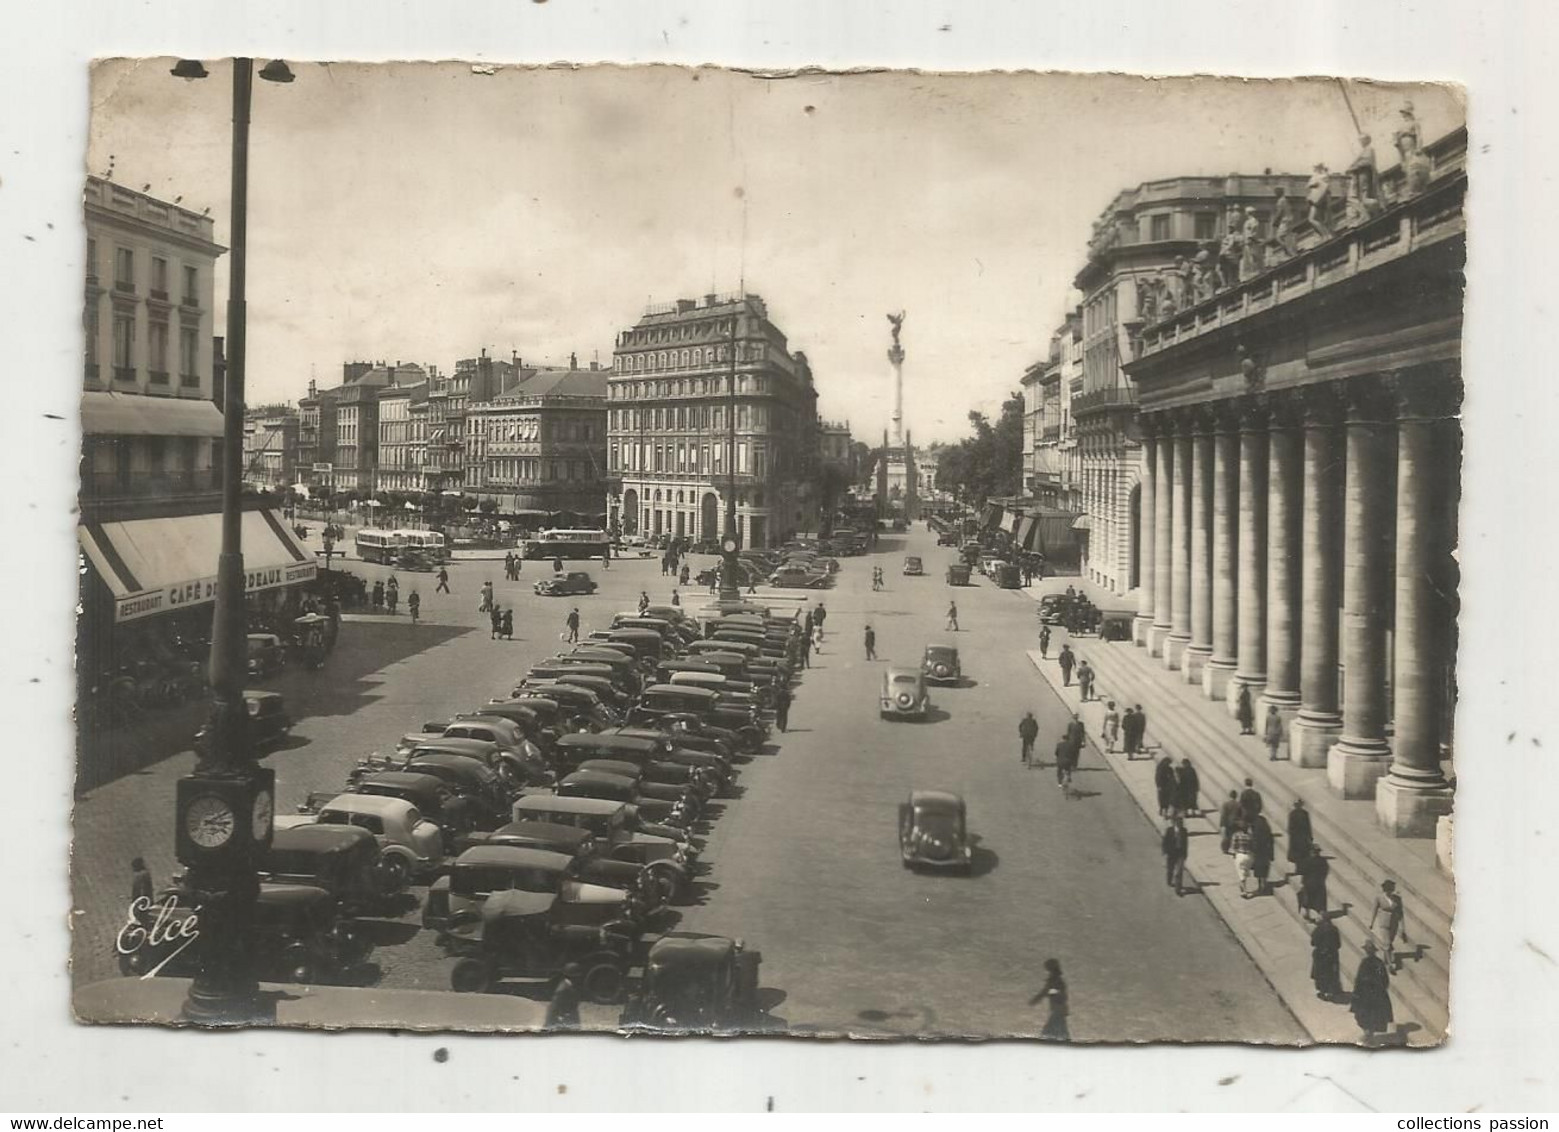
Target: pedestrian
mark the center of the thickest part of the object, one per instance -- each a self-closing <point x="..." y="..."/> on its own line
<point x="1371" y="1002"/>
<point x="1067" y="752"/>
<point x="644" y="602"/>
<point x="506" y="630"/>
<point x="1164" y="783"/>
<point x="1387" y="923"/>
<point x="563" y="1008"/>
<point x="1272" y="732"/>
<point x="1245" y="712"/>
<point x="508" y="565"/>
<point x="806" y="649"/>
<point x="557" y="565"/>
<point x="871" y="643"/>
<point x="782" y="709"/>
<point x="1300" y="836"/>
<point x="1244" y="858"/>
<point x="1129" y="733"/>
<point x="1250" y="800"/>
<point x="1262" y="849"/>
<point x="1326" y="960"/>
<point x="414" y="606"/>
<point x="1028" y="731"/>
<point x="443" y="581"/>
<point x="1142" y="730"/>
<point x="1176" y="845"/>
<point x="141" y="886"/>
<point x="1085" y="679"/>
<point x="572" y="621"/>
<point x="1111" y="731"/>
<point x="1313" y="871"/>
<point x="392" y="593"/>
<point x="487" y="597"/>
<point x="378" y="596"/>
<point x="1188" y="789"/>
<point x="676" y="598"/>
<point x="1044" y="642"/>
<point x="495" y="615"/>
<point x="822" y="616"/>
<point x="685" y="574"/>
<point x="952" y="616"/>
<point x="1228" y="814"/>
<point x="1053" y="993"/>
<point x="1066" y="660"/>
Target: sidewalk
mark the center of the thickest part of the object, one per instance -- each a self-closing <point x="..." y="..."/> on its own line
<point x="1180" y="723"/>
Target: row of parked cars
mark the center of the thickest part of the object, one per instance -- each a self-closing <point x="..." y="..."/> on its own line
<point x="553" y="825"/>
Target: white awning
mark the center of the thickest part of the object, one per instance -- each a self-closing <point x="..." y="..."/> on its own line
<point x="154" y="565"/>
<point x="127" y="414"/>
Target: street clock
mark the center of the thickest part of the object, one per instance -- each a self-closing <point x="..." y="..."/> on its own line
<point x="225" y="819"/>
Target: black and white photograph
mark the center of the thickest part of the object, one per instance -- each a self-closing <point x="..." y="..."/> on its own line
<point x="962" y="555"/>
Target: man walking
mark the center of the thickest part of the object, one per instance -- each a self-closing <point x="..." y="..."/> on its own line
<point x="1272" y="732"/>
<point x="1250" y="800"/>
<point x="1129" y="733"/>
<point x="1085" y="680"/>
<point x="443" y="581"/>
<point x="1028" y="731"/>
<point x="573" y="625"/>
<point x="1044" y="642"/>
<point x="1176" y="846"/>
<point x="806" y="648"/>
<point x="414" y="606"/>
<point x="495" y="615"/>
<point x="819" y="616"/>
<point x="644" y="602"/>
<point x="871" y="643"/>
<point x="1066" y="660"/>
<point x="487" y="597"/>
<point x="1262" y="849"/>
<point x="1066" y="762"/>
<point x="952" y="617"/>
<point x="1228" y="814"/>
<point x="1188" y="789"/>
<point x="1164" y="785"/>
<point x="782" y="709"/>
<point x="1112" y="727"/>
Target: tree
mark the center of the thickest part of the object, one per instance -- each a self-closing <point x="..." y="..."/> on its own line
<point x="488" y="506"/>
<point x="989" y="463"/>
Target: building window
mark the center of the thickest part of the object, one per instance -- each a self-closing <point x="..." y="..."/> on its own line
<point x="91" y="328"/>
<point x="159" y="277"/>
<point x="189" y="356"/>
<point x="157" y="350"/>
<point x="91" y="260"/>
<point x="1158" y="227"/>
<point x="191" y="286"/>
<point x="124" y="347"/>
<point x="124" y="269"/>
<point x="1206" y="225"/>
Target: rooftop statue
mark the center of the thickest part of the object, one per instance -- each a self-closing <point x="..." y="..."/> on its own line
<point x="1363" y="184"/>
<point x="1282" y="244"/>
<point x="1319" y="193"/>
<point x="1251" y="258"/>
<point x="1415" y="162"/>
<point x="898" y="325"/>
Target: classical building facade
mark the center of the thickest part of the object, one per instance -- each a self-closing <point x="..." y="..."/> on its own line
<point x="544" y="445"/>
<point x="271" y="447"/>
<point x="1299" y="465"/>
<point x="396" y="470"/>
<point x="671" y="403"/>
<point x="1145" y="245"/>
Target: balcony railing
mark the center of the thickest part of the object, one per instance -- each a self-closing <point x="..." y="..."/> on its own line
<point x="158" y="377"/>
<point x="1101" y="400"/>
<point x="124" y="287"/>
<point x="189" y="380"/>
<point x="1051" y="432"/>
<point x="189" y="302"/>
<point x="124" y="373"/>
<point x="160" y="295"/>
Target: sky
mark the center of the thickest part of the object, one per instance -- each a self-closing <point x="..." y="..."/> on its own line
<point x="421" y="212"/>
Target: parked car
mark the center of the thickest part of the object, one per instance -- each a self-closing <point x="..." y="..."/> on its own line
<point x="798" y="577"/>
<point x="515" y="934"/>
<point x="268" y="721"/>
<point x="573" y="583"/>
<point x="484" y="797"/>
<point x="440" y="803"/>
<point x="696" y="982"/>
<point x="958" y="574"/>
<point x="904" y="694"/>
<point x="341" y="859"/>
<point x="267" y="654"/>
<point x="933" y="831"/>
<point x="483" y="870"/>
<point x="618" y="831"/>
<point x="913" y="567"/>
<point x="622" y="788"/>
<point x="1007" y="575"/>
<point x="410" y="846"/>
<point x="594" y="865"/>
<point x="940" y="665"/>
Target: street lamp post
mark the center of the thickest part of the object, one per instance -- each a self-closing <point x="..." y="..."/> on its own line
<point x="730" y="582"/>
<point x="226" y="807"/>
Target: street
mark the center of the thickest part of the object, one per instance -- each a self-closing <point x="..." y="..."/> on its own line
<point x="804" y="863"/>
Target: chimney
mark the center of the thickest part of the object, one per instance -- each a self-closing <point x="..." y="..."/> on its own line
<point x="685" y="305"/>
<point x="573" y="360"/>
<point x="595" y="366"/>
<point x="709" y="299"/>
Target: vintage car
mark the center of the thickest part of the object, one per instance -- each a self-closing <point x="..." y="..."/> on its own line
<point x="696" y="982"/>
<point x="267" y="654"/>
<point x="913" y="567"/>
<point x="299" y="934"/>
<point x="618" y="833"/>
<point x="940" y="665"/>
<point x="648" y="645"/>
<point x="933" y="831"/>
<point x="268" y="721"/>
<point x="691" y="734"/>
<point x="624" y="668"/>
<point x="762" y="695"/>
<point x="438" y="802"/>
<point x="509" y="737"/>
<point x="623" y="788"/>
<point x="748" y="574"/>
<point x="572" y="583"/>
<point x="904" y="694"/>
<point x="1007" y="575"/>
<point x="958" y="574"/>
<point x="511" y="768"/>
<point x="515" y="934"/>
<point x="341" y="859"/>
<point x="483" y="795"/>
<point x="682" y="699"/>
<point x="613" y="698"/>
<point x="582" y="704"/>
<point x="649" y="781"/>
<point x="1072" y="610"/>
<point x="797" y="577"/>
<point x="415" y="560"/>
<point x="678" y="634"/>
<point x="948" y="538"/>
<point x="594" y="864"/>
<point x="410" y="846"/>
<point x="653" y="755"/>
<point x="483" y="870"/>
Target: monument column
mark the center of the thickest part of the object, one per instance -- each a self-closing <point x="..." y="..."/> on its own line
<point x="1415" y="794"/>
<point x="1200" y="649"/>
<point x="1225" y="528"/>
<point x="1146" y="521"/>
<point x="1318" y="723"/>
<point x="1360" y="757"/>
<point x="1251" y="661"/>
<point x="1180" y="547"/>
<point x="1285" y="481"/>
<point x="1163" y="494"/>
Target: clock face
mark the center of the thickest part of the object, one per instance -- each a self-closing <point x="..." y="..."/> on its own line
<point x="730" y="546"/>
<point x="260" y="817"/>
<point x="210" y="822"/>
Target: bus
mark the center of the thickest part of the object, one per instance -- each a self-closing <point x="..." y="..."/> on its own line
<point x="560" y="542"/>
<point x="431" y="543"/>
<point x="379" y="546"/>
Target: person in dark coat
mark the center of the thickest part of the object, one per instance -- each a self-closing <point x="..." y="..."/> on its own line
<point x="506" y="629"/>
<point x="572" y="623"/>
<point x="1053" y="993"/>
<point x="495" y="615"/>
<point x="1273" y="733"/>
<point x="1028" y="731"/>
<point x="871" y="643"/>
<point x="1076" y="734"/>
<point x="782" y="709"/>
<point x="140" y="880"/>
<point x="1228" y="814"/>
<point x="1313" y="871"/>
<point x="1245" y="711"/>
<point x="1066" y="763"/>
<point x="1250" y="800"/>
<point x="378" y="596"/>
<point x="1300" y="837"/>
<point x="1131" y="733"/>
<point x="806" y="649"/>
<point x="1326" y="960"/>
<point x="1044" y="642"/>
<point x="1262" y="849"/>
<point x="1188" y="788"/>
<point x="1371" y="1005"/>
<point x="1176" y="846"/>
<point x="1164" y="780"/>
<point x="563" y="1009"/>
<point x="1066" y="660"/>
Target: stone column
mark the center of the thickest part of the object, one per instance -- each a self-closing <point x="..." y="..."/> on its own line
<point x="1250" y="666"/>
<point x="1225" y="528"/>
<point x="1143" y="623"/>
<point x="1180" y="548"/>
<point x="1360" y="756"/>
<point x="1285" y="481"/>
<point x="1318" y="723"/>
<point x="1201" y="646"/>
<point x="1414" y="795"/>
<point x="1163" y="494"/>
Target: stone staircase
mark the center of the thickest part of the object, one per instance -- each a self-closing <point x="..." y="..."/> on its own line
<point x="1183" y="723"/>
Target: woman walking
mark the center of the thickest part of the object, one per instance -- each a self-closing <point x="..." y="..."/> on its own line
<point x="1313" y="871"/>
<point x="1053" y="993"/>
<point x="1326" y="960"/>
<point x="1164" y="781"/>
<point x="1371" y="1005"/>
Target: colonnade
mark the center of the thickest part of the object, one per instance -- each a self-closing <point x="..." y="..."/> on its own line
<point x="1285" y="536"/>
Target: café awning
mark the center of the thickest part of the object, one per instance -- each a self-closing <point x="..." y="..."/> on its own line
<point x="123" y="414"/>
<point x="155" y="565"/>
